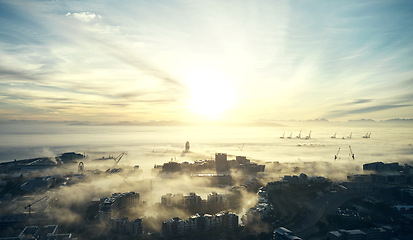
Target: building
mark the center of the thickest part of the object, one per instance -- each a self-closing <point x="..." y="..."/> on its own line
<point x="342" y="234"/>
<point x="242" y="160"/>
<point x="220" y="179"/>
<point x="121" y="200"/>
<point x="282" y="233"/>
<point x="226" y="221"/>
<point x="192" y="200"/>
<point x="382" y="167"/>
<point x="221" y="162"/>
<point x="118" y="201"/>
<point x="172" y="200"/>
<point x="223" y="221"/>
<point x="124" y="226"/>
<point x="392" y="178"/>
<point x="357" y="234"/>
<point x="39" y="183"/>
<point x="171" y="167"/>
<point x="70" y="156"/>
<point x="215" y="198"/>
<point x="261" y="210"/>
<point x="173" y="227"/>
<point x="350" y="218"/>
<point x="39" y="164"/>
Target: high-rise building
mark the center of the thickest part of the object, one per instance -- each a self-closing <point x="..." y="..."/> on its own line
<point x="172" y="200"/>
<point x="124" y="226"/>
<point x="221" y="162"/>
<point x="117" y="201"/>
<point x="215" y="198"/>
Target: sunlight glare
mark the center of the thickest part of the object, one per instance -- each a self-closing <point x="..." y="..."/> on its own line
<point x="211" y="93"/>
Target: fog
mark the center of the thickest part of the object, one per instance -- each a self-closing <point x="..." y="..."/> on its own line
<point x="147" y="146"/>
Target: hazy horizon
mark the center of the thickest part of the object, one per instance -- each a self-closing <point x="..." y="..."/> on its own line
<point x="149" y="145"/>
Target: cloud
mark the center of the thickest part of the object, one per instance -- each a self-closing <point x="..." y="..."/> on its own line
<point x="342" y="113"/>
<point x="9" y="74"/>
<point x="84" y="16"/>
<point x="359" y="101"/>
<point x="302" y="59"/>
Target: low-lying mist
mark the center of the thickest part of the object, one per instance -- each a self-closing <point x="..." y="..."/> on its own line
<point x="320" y="155"/>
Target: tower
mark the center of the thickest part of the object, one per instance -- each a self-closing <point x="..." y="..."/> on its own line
<point x="187" y="147"/>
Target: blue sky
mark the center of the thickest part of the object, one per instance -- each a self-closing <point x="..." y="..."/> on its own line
<point x="205" y="60"/>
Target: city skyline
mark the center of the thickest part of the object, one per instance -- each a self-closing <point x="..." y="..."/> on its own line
<point x="205" y="61"/>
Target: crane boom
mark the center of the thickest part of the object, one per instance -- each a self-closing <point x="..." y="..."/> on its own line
<point x="351" y="152"/>
<point x="118" y="158"/>
<point x="29" y="206"/>
<point x="308" y="136"/>
<point x="336" y="156"/>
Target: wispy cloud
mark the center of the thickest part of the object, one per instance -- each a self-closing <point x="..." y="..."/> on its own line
<point x="307" y="60"/>
<point x="361" y="111"/>
<point x="359" y="101"/>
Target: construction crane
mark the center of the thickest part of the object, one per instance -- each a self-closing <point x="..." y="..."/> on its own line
<point x="242" y="147"/>
<point x="351" y="152"/>
<point x="336" y="156"/>
<point x="308" y="136"/>
<point x="299" y="135"/>
<point x="30" y="205"/>
<point x="367" y="135"/>
<point x="334" y="136"/>
<point x="291" y="135"/>
<point x="282" y="137"/>
<point x="351" y="134"/>
<point x="118" y="158"/>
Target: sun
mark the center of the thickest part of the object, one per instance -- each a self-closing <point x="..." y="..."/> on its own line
<point x="211" y="93"/>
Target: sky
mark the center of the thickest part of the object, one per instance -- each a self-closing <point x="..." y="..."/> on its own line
<point x="235" y="61"/>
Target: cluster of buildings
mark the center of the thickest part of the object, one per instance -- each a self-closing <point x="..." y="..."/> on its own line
<point x="241" y="163"/>
<point x="70" y="157"/>
<point x="223" y="221"/>
<point x="27" y="165"/>
<point x="38" y="183"/>
<point x="180" y="200"/>
<point x="124" y="226"/>
<point x="113" y="205"/>
<point x="214" y="179"/>
<point x="385" y="173"/>
<point x="386" y="167"/>
<point x="357" y="234"/>
<point x="350" y="218"/>
<point x="262" y="209"/>
<point x="220" y="165"/>
<point x="217" y="172"/>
